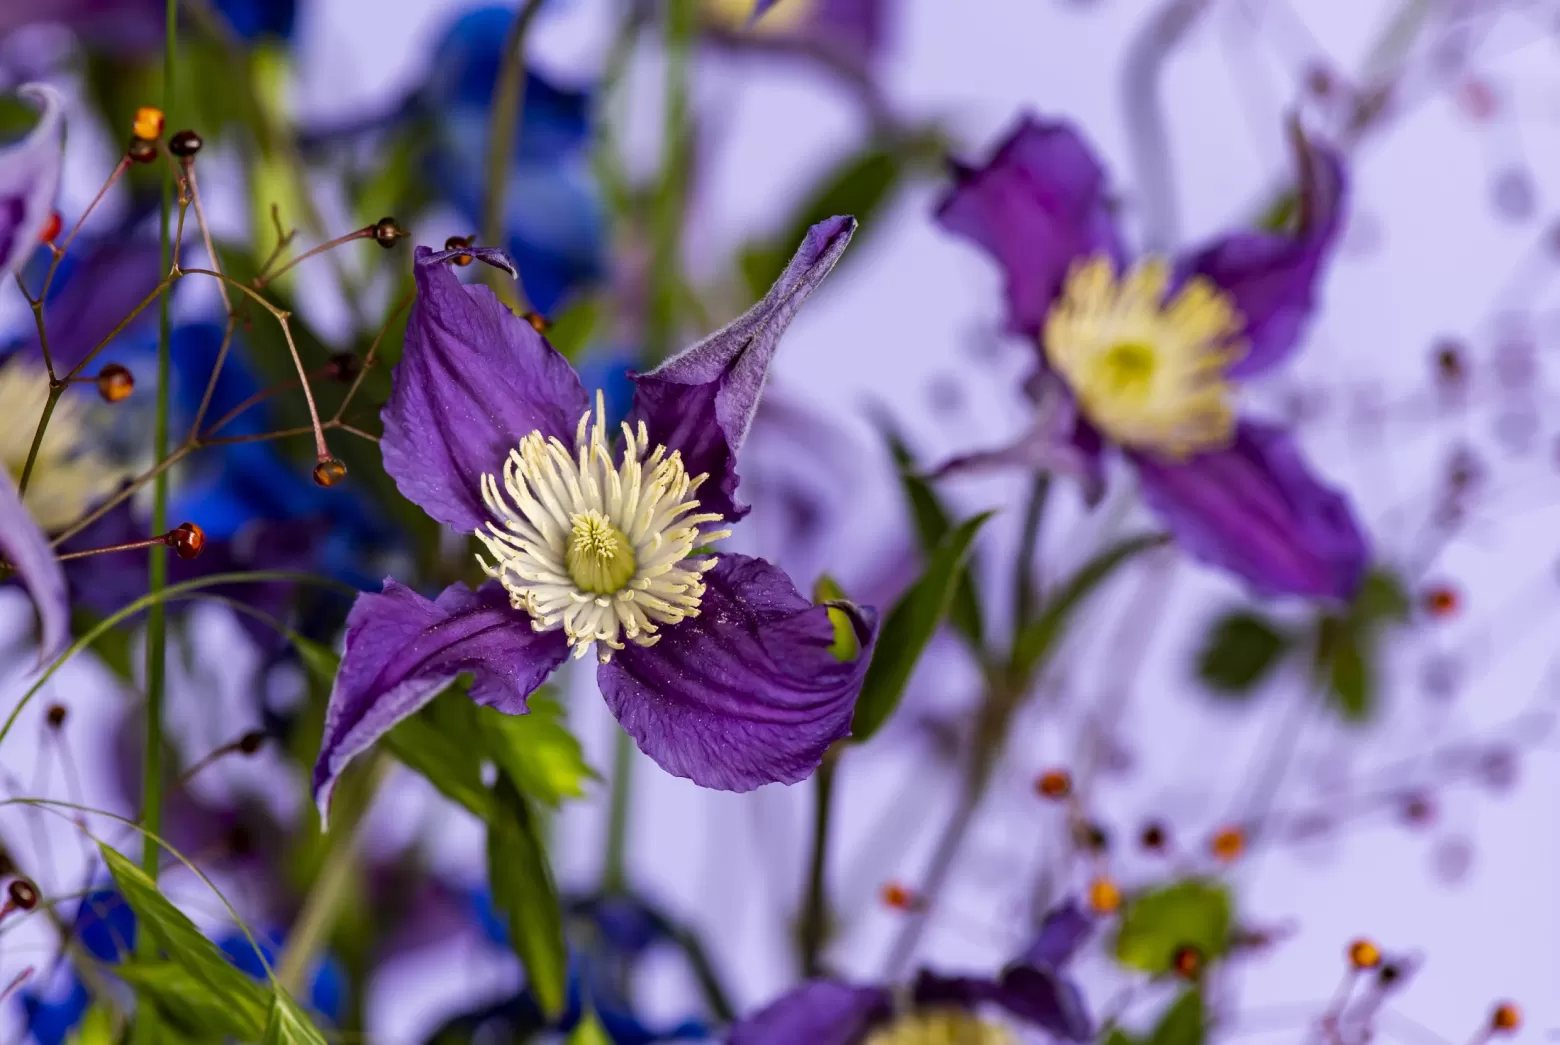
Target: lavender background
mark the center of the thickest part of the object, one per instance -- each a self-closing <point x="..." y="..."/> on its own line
<point x="913" y="324"/>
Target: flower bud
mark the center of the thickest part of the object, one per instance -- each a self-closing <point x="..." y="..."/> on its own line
<point x="187" y="540"/>
<point x="185" y="144"/>
<point x="141" y="150"/>
<point x="51" y="228"/>
<point x="386" y="232"/>
<point x="23" y="894"/>
<point x="1228" y="844"/>
<point x="1506" y="1018"/>
<point x="115" y="383"/>
<point x="56" y="716"/>
<point x="329" y="472"/>
<point x="1054" y="784"/>
<point x="1104" y="896"/>
<point x="1363" y="954"/>
<point x="148" y="123"/>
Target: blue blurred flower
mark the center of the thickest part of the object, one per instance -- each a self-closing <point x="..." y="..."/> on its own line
<point x="327" y="987"/>
<point x="136" y="26"/>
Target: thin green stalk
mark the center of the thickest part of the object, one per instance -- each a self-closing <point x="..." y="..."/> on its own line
<point x="614" y="874"/>
<point x="1025" y="584"/>
<point x="814" y="929"/>
<point x="146" y="1030"/>
<point x="37" y="443"/>
<point x="503" y="129"/>
<point x="666" y="218"/>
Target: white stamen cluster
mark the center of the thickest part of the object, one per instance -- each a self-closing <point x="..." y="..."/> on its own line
<point x="69" y="476"/>
<point x="600" y="550"/>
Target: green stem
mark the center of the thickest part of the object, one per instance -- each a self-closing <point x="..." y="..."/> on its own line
<point x="503" y="128"/>
<point x="37" y="443"/>
<point x="614" y="874"/>
<point x="1025" y="584"/>
<point x="814" y="928"/>
<point x="666" y="218"/>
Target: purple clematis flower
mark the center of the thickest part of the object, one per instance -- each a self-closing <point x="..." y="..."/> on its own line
<point x="29" y="179"/>
<point x="851" y="32"/>
<point x="1031" y="990"/>
<point x="1141" y="355"/>
<point x="717" y="667"/>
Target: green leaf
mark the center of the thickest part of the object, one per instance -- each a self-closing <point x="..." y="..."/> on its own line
<point x="441" y="742"/>
<point x="536" y="751"/>
<point x="1242" y="648"/>
<point x="1117" y="1036"/>
<point x="846" y="646"/>
<point x="523" y="889"/>
<point x="589" y="1031"/>
<point x="321" y="661"/>
<point x="1351" y="680"/>
<point x="1381" y="600"/>
<point x="288" y="1024"/>
<point x="1032" y="645"/>
<point x="907" y="629"/>
<point x="186" y="1002"/>
<point x="100" y="1026"/>
<point x="1184" y="1022"/>
<point x="932" y="522"/>
<point x="1196" y="913"/>
<point x="184" y="943"/>
<point x="573" y="329"/>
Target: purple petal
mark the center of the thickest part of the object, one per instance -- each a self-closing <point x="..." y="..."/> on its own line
<point x="1059" y="440"/>
<point x="1037" y="206"/>
<point x="121" y="26"/>
<point x="820" y="1012"/>
<point x="402" y="649"/>
<point x="113" y="277"/>
<point x="29" y="179"/>
<point x="701" y="402"/>
<point x="746" y="693"/>
<point x="473" y="379"/>
<point x="1040" y="997"/>
<point x="853" y="29"/>
<point x="1273" y="279"/>
<point x="25" y="547"/>
<point x="1256" y="510"/>
<point x="493" y="256"/>
<point x="1065" y="928"/>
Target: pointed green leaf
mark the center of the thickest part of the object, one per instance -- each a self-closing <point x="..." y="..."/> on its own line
<point x="441" y="742"/>
<point x="1241" y="649"/>
<point x="184" y="943"/>
<point x="321" y="661"/>
<point x="1196" y="913"/>
<point x="846" y="646"/>
<point x="1184" y="1022"/>
<point x="1040" y="636"/>
<point x="523" y="889"/>
<point x="1381" y="600"/>
<point x="100" y="1026"/>
<point x="1351" y="679"/>
<point x="907" y="629"/>
<point x="536" y="750"/>
<point x="288" y="1024"/>
<point x="187" y="1003"/>
<point x="589" y="1031"/>
<point x="1117" y="1036"/>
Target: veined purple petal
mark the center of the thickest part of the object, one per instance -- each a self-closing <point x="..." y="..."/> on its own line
<point x="25" y="547"/>
<point x="701" y="402"/>
<point x="746" y="693"/>
<point x="1037" y="206"/>
<point x="1063" y="931"/>
<point x="402" y="649"/>
<point x="473" y="379"/>
<point x="1256" y="510"/>
<point x="819" y="1012"/>
<point x="1273" y="278"/>
<point x="29" y="179"/>
<point x="1043" y="998"/>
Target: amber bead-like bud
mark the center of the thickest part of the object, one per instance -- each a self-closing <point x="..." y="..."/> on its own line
<point x="329" y="472"/>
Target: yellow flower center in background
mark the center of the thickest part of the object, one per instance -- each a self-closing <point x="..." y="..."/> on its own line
<point x="1146" y="371"/>
<point x="781" y="18"/>
<point x="599" y="549"/>
<point x="68" y="475"/>
<point x="941" y="1027"/>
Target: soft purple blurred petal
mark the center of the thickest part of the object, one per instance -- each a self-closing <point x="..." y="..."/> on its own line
<point x="747" y="693"/>
<point x="1038" y="205"/>
<point x="1273" y="278"/>
<point x="29" y="179"/>
<point x="113" y="277"/>
<point x="473" y="379"/>
<point x="487" y="255"/>
<point x="118" y="25"/>
<point x="702" y="401"/>
<point x="1256" y="510"/>
<point x="25" y="547"/>
<point x="819" y="1012"/>
<point x="1043" y="998"/>
<point x="1065" y="928"/>
<point x="402" y="649"/>
<point x="1058" y="440"/>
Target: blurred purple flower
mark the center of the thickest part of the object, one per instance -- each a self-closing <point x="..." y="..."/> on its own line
<point x="720" y="670"/>
<point x="850" y="32"/>
<point x="27" y="550"/>
<point x="1032" y="989"/>
<point x="1141" y="356"/>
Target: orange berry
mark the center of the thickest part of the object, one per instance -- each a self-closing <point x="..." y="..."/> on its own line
<point x="329" y="472"/>
<point x="1363" y="954"/>
<point x="188" y="540"/>
<point x="1506" y="1018"/>
<point x="1228" y="844"/>
<point x="51" y="228"/>
<point x="148" y="124"/>
<point x="115" y="383"/>
<point x="1104" y="896"/>
<point x="539" y="322"/>
<point x="899" y="897"/>
<point x="1188" y="962"/>
<point x="1441" y="601"/>
<point x="1054" y="784"/>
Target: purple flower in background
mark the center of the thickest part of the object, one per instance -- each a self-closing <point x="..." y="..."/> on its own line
<point x="29" y="179"/>
<point x="850" y="31"/>
<point x="1141" y="355"/>
<point x="717" y="667"/>
<point x="1031" y="990"/>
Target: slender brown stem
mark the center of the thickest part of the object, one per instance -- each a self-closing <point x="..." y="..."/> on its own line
<point x="373" y="350"/>
<point x="283" y="240"/>
<point x="188" y="165"/>
<point x="261" y="437"/>
<point x="371" y="437"/>
<point x="216" y="372"/>
<point x="119" y="169"/>
<point x="119" y="498"/>
<point x="259" y="397"/>
<point x="157" y="291"/>
<point x="363" y="233"/>
<point x="128" y="546"/>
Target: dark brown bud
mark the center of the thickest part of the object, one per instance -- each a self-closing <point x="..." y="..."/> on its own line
<point x="56" y="716"/>
<point x="1388" y="975"/>
<point x="251" y="742"/>
<point x="1054" y="784"/>
<point x="329" y="472"/>
<point x="1153" y="837"/>
<point x="185" y="144"/>
<point x="1506" y="1018"/>
<point x="343" y="367"/>
<point x="115" y="383"/>
<point x="1449" y="368"/>
<point x="188" y="540"/>
<point x="455" y="243"/>
<point x="23" y="894"/>
<point x="141" y="150"/>
<point x="539" y="322"/>
<point x="1188" y="962"/>
<point x="386" y="232"/>
<point x="1091" y="836"/>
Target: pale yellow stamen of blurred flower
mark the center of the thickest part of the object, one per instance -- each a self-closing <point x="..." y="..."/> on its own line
<point x="941" y="1027"/>
<point x="69" y="476"/>
<point x="781" y="18"/>
<point x="1148" y="371"/>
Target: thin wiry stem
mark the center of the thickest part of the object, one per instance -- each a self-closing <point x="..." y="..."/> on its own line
<point x="55" y="391"/>
<point x="369" y="356"/>
<point x="259" y="397"/>
<point x="123" y="495"/>
<point x="48" y="281"/>
<point x="503" y="120"/>
<point x="188" y="165"/>
<point x="363" y="233"/>
<point x="156" y="292"/>
<point x="284" y="239"/>
<point x="211" y="382"/>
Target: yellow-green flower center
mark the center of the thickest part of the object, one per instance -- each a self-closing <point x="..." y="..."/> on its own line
<point x="1147" y="369"/>
<point x="782" y="17"/>
<point x="69" y="476"/>
<point x="599" y="557"/>
<point x="941" y="1027"/>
